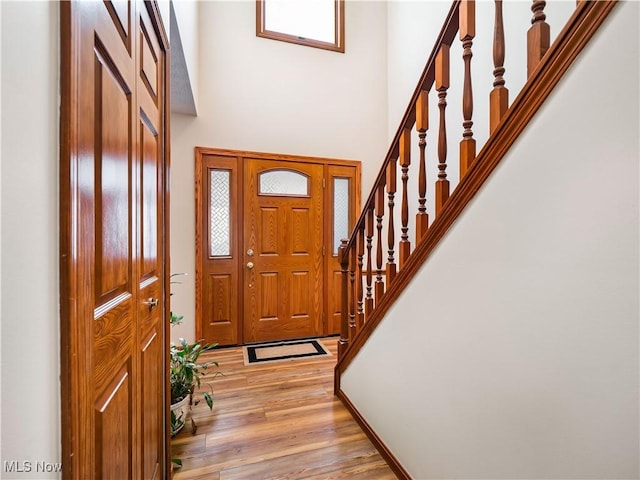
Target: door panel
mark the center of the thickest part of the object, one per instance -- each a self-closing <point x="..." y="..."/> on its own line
<point x="218" y="279"/>
<point x="152" y="411"/>
<point x="112" y="154"/>
<point x="113" y="421"/>
<point x="283" y="226"/>
<point x="112" y="242"/>
<point x="342" y="205"/>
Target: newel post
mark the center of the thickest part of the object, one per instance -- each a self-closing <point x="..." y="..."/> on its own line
<point x="343" y="255"/>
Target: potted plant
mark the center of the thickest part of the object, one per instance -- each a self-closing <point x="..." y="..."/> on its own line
<point x="185" y="377"/>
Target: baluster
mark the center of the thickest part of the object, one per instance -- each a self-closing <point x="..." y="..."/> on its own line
<point x="442" y="84"/>
<point x="360" y="247"/>
<point x="499" y="96"/>
<point x="538" y="36"/>
<point x="405" y="161"/>
<point x="422" y="125"/>
<point x="343" y="342"/>
<point x="391" y="191"/>
<point x="352" y="291"/>
<point x="368" y="301"/>
<point x="467" y="33"/>
<point x="379" y="291"/>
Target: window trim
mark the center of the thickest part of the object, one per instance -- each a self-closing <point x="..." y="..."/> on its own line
<point x="336" y="46"/>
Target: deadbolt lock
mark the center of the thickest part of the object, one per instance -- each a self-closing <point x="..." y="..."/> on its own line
<point x="250" y="253"/>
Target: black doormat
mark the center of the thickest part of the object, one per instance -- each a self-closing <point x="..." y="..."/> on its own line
<point x="281" y="351"/>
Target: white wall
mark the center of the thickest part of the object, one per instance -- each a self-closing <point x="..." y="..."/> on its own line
<point x="412" y="30"/>
<point x="0" y="235"/>
<point x="186" y="12"/>
<point x="264" y="95"/>
<point x="29" y="226"/>
<point x="514" y="351"/>
<point x="184" y="35"/>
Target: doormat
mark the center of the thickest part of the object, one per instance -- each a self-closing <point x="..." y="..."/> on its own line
<point x="281" y="351"/>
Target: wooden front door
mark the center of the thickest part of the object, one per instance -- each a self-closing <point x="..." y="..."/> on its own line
<point x="268" y="227"/>
<point x="283" y="242"/>
<point x="113" y="226"/>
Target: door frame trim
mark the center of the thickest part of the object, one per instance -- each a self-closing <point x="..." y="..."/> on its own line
<point x="239" y="155"/>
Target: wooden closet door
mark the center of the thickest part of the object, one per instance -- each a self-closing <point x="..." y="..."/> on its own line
<point x="112" y="244"/>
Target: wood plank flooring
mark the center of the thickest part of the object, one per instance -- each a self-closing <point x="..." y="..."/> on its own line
<point x="275" y="421"/>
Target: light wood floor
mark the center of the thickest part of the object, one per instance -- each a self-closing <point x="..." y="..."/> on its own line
<point x="276" y="421"/>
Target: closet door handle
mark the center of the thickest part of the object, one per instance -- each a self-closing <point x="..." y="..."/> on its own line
<point x="152" y="302"/>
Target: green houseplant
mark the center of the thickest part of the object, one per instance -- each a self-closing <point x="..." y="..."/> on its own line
<point x="186" y="371"/>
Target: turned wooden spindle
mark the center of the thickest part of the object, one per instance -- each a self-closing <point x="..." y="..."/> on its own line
<point x="538" y="36"/>
<point x="422" y="125"/>
<point x="368" y="301"/>
<point x="405" y="161"/>
<point x="379" y="290"/>
<point x="442" y="84"/>
<point x="499" y="96"/>
<point x="343" y="255"/>
<point x="352" y="294"/>
<point x="360" y="252"/>
<point x="467" y="34"/>
<point x="391" y="191"/>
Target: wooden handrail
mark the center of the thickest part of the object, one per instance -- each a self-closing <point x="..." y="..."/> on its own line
<point x="366" y="300"/>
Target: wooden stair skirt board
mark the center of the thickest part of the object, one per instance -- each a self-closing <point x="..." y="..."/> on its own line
<point x="359" y="317"/>
<point x="391" y="460"/>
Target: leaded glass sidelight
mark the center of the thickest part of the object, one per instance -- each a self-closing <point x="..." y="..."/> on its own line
<point x="219" y="213"/>
<point x="284" y="182"/>
<point x="340" y="211"/>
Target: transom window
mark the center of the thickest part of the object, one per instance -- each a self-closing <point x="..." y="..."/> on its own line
<point x="315" y="23"/>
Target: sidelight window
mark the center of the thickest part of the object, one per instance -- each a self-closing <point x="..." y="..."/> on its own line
<point x="219" y="213"/>
<point x="340" y="211"/>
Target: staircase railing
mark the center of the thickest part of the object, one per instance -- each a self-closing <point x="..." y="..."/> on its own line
<point x="373" y="278"/>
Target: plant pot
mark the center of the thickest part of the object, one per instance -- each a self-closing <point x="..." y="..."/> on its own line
<point x="179" y="414"/>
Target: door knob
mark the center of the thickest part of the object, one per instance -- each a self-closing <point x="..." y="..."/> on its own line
<point x="152" y="302"/>
<point x="250" y="265"/>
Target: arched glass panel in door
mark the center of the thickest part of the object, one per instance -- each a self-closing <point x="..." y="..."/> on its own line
<point x="283" y="182"/>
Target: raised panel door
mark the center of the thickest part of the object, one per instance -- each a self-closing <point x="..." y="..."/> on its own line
<point x="283" y="241"/>
<point x="112" y="242"/>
